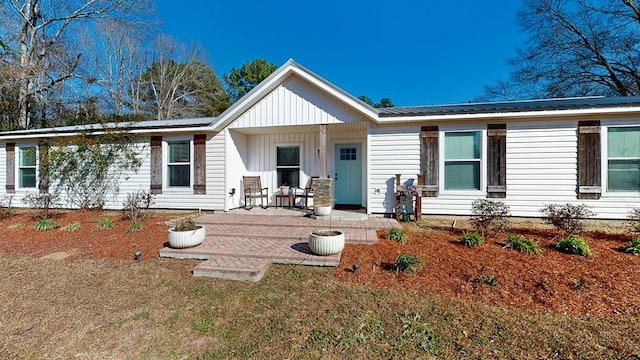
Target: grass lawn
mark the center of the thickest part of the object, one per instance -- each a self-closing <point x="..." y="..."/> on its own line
<point x="104" y="308"/>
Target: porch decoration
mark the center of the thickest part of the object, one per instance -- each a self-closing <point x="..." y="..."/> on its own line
<point x="186" y="234"/>
<point x="326" y="242"/>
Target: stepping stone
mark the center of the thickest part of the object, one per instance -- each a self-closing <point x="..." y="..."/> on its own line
<point x="233" y="268"/>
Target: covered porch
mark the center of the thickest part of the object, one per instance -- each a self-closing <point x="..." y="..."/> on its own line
<point x="292" y="155"/>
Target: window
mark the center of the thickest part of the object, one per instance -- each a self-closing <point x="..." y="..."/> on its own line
<point x="179" y="163"/>
<point x="462" y="160"/>
<point x="623" y="157"/>
<point x="348" y="154"/>
<point x="288" y="165"/>
<point x="27" y="167"/>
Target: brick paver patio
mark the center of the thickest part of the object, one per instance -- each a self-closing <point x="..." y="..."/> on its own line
<point x="240" y="244"/>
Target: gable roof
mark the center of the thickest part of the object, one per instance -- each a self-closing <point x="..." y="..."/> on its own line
<point x="277" y="78"/>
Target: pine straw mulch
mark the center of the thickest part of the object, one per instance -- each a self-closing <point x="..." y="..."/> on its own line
<point x="606" y="283"/>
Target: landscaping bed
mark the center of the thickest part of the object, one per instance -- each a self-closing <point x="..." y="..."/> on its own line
<point x="605" y="283"/>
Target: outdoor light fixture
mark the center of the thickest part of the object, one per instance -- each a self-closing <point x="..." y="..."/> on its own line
<point x="355" y="268"/>
<point x="232" y="192"/>
<point x="137" y="255"/>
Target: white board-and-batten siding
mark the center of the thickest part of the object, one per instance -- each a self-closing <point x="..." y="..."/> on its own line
<point x="295" y="103"/>
<point x="541" y="168"/>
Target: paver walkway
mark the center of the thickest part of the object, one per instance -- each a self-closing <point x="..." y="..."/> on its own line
<point x="241" y="245"/>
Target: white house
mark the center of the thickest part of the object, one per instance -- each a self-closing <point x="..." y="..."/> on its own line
<point x="296" y="125"/>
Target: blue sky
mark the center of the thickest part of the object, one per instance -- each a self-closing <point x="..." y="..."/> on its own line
<point x="414" y="52"/>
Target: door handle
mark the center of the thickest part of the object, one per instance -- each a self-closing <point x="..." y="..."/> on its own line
<point x="336" y="177"/>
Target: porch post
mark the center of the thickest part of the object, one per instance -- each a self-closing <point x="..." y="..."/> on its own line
<point x="323" y="151"/>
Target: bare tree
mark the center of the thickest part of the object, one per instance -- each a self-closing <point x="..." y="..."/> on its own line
<point x="36" y="31"/>
<point x="575" y="48"/>
<point x="116" y="56"/>
<point x="179" y="84"/>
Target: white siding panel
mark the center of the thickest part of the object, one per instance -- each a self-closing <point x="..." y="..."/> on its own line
<point x="392" y="150"/>
<point x="3" y="168"/>
<point x="296" y="103"/>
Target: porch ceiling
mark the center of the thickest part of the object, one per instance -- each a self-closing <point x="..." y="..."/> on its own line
<point x="314" y="128"/>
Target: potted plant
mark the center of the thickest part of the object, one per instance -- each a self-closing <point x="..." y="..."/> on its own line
<point x="284" y="188"/>
<point x="186" y="234"/>
<point x="326" y="241"/>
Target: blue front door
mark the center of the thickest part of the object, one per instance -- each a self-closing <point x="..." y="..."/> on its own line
<point x="348" y="176"/>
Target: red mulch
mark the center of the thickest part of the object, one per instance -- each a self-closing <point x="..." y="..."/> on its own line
<point x="88" y="240"/>
<point x="606" y="283"/>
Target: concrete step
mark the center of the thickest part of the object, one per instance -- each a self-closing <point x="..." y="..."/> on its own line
<point x="233" y="268"/>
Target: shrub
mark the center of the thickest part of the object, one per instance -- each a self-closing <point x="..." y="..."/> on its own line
<point x="634" y="220"/>
<point x="489" y="215"/>
<point x="568" y="217"/>
<point x="105" y="224"/>
<point x="43" y="202"/>
<point x="523" y="245"/>
<point x="135" y="225"/>
<point x="398" y="235"/>
<point x="573" y="244"/>
<point x="45" y="225"/>
<point x="406" y="263"/>
<point x="6" y="210"/>
<point x="472" y="240"/>
<point x="136" y="206"/>
<point x="486" y="279"/>
<point x="634" y="248"/>
<point x="71" y="227"/>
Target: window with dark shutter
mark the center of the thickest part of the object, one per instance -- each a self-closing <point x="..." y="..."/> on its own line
<point x="429" y="160"/>
<point x="156" y="165"/>
<point x="11" y="168"/>
<point x="200" y="164"/>
<point x="496" y="160"/>
<point x="43" y="180"/>
<point x="589" y="176"/>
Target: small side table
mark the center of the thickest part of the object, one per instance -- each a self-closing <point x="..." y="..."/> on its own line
<point x="280" y="197"/>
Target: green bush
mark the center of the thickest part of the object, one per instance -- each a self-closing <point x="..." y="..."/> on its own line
<point x="406" y="263"/>
<point x="45" y="225"/>
<point x="398" y="235"/>
<point x="523" y="245"/>
<point x="472" y="240"/>
<point x="489" y="215"/>
<point x="568" y="217"/>
<point x="486" y="279"/>
<point x="71" y="227"/>
<point x="105" y="224"/>
<point x="134" y="226"/>
<point x="634" y="249"/>
<point x="573" y="244"/>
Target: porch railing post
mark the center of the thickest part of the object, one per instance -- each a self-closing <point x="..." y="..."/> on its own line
<point x="323" y="151"/>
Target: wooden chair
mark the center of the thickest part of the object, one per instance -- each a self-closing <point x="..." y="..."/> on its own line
<point x="306" y="193"/>
<point x="252" y="190"/>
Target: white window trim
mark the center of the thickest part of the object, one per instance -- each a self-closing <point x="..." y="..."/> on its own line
<point x="604" y="160"/>
<point x="18" y="167"/>
<point x="165" y="165"/>
<point x="483" y="160"/>
<point x="300" y="166"/>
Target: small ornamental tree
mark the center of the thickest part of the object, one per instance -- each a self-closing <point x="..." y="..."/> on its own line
<point x="87" y="168"/>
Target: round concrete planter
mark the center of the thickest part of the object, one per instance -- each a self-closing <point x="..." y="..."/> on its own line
<point x="186" y="239"/>
<point x="322" y="210"/>
<point x="326" y="242"/>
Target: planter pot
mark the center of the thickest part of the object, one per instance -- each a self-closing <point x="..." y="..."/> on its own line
<point x="322" y="210"/>
<point x="186" y="239"/>
<point x="284" y="189"/>
<point x="326" y="242"/>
